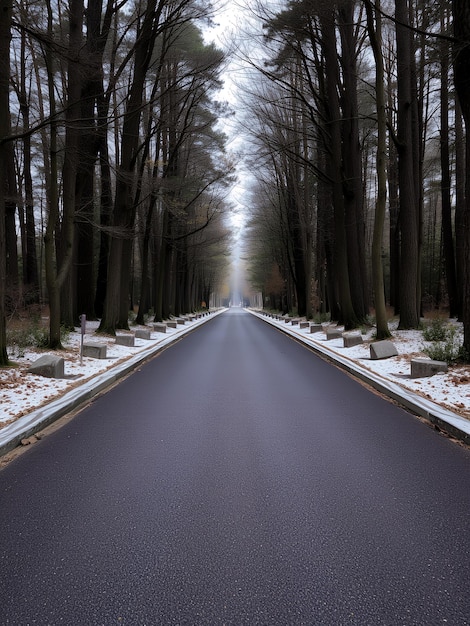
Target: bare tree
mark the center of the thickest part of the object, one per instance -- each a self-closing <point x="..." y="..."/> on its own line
<point x="374" y="25"/>
<point x="27" y="218"/>
<point x="5" y="37"/>
<point x="59" y="247"/>
<point x="407" y="164"/>
<point x="461" y="15"/>
<point x="446" y="191"/>
<point x="153" y="21"/>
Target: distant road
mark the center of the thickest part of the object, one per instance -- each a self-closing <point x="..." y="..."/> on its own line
<point x="237" y="479"/>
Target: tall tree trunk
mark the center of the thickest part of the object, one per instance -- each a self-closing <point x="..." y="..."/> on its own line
<point x="117" y="294"/>
<point x="308" y="221"/>
<point x="461" y="14"/>
<point x="145" y="279"/>
<point x="62" y="281"/>
<point x="30" y="262"/>
<point x="347" y="314"/>
<point x="409" y="209"/>
<point x="447" y="229"/>
<point x="92" y="138"/>
<point x="352" y="166"/>
<point x="393" y="194"/>
<point x="52" y="191"/>
<point x="13" y="284"/>
<point x="106" y="207"/>
<point x="375" y="36"/>
<point x="460" y="175"/>
<point x="5" y="38"/>
<point x="160" y="270"/>
<point x="296" y="240"/>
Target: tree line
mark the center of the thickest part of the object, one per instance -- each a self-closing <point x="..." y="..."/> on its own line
<point x="360" y="128"/>
<point x="114" y="175"/>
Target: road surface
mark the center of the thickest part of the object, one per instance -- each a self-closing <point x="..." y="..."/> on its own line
<point x="237" y="479"/>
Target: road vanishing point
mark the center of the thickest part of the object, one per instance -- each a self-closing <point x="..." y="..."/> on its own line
<point x="237" y="478"/>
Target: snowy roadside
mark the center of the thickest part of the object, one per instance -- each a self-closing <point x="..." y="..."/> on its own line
<point x="443" y="399"/>
<point x="29" y="402"/>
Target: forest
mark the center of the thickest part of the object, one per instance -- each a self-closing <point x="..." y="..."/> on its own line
<point x="116" y="175"/>
<point x="359" y="117"/>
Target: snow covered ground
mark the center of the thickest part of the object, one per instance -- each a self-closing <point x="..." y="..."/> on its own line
<point x="445" y="396"/>
<point x="27" y="401"/>
<point x="26" y="398"/>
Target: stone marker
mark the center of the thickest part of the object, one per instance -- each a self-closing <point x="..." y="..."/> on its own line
<point x="159" y="328"/>
<point x="30" y="440"/>
<point x="48" y="365"/>
<point x="352" y="339"/>
<point x="142" y="333"/>
<point x="316" y="328"/>
<point x="382" y="350"/>
<point x="125" y="340"/>
<point x="426" y="367"/>
<point x="333" y="333"/>
<point x="95" y="350"/>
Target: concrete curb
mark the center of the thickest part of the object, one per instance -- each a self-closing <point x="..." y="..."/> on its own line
<point x="441" y="418"/>
<point x="12" y="434"/>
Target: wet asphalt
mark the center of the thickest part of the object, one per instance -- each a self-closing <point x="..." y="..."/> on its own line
<point x="237" y="479"/>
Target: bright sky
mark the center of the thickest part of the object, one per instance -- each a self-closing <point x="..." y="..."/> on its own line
<point x="226" y="35"/>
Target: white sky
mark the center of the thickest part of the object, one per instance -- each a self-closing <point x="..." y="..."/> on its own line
<point x="231" y="20"/>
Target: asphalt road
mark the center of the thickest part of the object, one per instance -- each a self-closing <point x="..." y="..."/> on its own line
<point x="237" y="479"/>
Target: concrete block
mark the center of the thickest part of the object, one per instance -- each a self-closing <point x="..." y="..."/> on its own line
<point x="180" y="321"/>
<point x="294" y="322"/>
<point x="316" y="328"/>
<point x="95" y="350"/>
<point x="142" y="333"/>
<point x="421" y="368"/>
<point x="48" y="365"/>
<point x="171" y="324"/>
<point x="125" y="340"/>
<point x="304" y="324"/>
<point x="333" y="333"/>
<point x="352" y="339"/>
<point x="382" y="350"/>
<point x="160" y="328"/>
